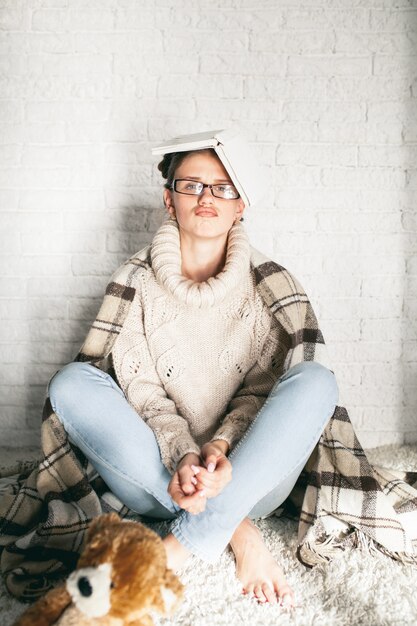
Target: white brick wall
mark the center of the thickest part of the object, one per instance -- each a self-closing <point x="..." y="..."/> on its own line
<point x="326" y="91"/>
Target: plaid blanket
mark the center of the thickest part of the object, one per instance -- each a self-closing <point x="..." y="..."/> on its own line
<point x="340" y="499"/>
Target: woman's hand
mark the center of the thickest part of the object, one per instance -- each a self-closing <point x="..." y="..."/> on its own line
<point x="182" y="487"/>
<point x="217" y="472"/>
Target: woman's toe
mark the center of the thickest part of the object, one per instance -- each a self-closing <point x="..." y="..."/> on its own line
<point x="287" y="599"/>
<point x="269" y="593"/>
<point x="248" y="591"/>
<point x="259" y="593"/>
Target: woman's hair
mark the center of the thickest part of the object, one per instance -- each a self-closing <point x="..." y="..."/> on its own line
<point x="170" y="162"/>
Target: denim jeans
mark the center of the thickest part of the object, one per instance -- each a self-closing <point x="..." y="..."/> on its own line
<point x="266" y="461"/>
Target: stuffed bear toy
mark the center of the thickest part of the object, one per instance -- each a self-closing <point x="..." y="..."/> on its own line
<point x="121" y="579"/>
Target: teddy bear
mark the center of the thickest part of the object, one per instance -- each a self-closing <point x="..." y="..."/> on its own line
<point x="121" y="579"/>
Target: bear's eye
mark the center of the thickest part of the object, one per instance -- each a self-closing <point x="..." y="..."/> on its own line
<point x="112" y="585"/>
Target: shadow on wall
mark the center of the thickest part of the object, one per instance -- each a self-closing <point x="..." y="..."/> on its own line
<point x="409" y="225"/>
<point x="67" y="305"/>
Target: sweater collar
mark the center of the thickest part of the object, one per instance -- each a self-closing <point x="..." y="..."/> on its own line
<point x="166" y="264"/>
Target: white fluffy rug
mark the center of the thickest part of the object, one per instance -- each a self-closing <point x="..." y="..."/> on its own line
<point x="356" y="589"/>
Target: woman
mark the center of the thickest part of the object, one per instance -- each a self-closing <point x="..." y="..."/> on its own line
<point x="195" y="359"/>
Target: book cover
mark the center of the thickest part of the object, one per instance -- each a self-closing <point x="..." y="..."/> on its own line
<point x="235" y="154"/>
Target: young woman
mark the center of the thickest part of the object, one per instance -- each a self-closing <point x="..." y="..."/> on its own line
<point x="223" y="434"/>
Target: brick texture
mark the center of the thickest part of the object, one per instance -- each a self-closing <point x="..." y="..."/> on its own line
<point x="326" y="95"/>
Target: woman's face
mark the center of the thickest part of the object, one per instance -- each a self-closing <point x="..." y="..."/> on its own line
<point x="203" y="215"/>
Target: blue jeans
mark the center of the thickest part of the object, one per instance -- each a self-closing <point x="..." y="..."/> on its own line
<point x="266" y="461"/>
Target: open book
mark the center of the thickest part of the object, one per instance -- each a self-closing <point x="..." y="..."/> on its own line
<point x="235" y="154"/>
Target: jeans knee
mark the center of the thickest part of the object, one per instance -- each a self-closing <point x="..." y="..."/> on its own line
<point x="320" y="378"/>
<point x="67" y="381"/>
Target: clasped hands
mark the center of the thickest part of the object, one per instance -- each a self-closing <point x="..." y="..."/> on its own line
<point x="197" y="478"/>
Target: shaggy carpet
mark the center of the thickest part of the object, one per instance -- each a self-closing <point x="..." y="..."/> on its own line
<point x="355" y="589"/>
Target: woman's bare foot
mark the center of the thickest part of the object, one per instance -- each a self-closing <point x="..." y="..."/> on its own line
<point x="177" y="554"/>
<point x="257" y="569"/>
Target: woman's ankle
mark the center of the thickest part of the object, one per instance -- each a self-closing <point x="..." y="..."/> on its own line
<point x="177" y="554"/>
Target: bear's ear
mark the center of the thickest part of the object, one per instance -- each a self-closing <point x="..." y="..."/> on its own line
<point x="168" y="598"/>
<point x="172" y="591"/>
<point x="98" y="523"/>
<point x="47" y="609"/>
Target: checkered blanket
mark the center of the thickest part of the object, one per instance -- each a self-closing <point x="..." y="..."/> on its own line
<point x="340" y="499"/>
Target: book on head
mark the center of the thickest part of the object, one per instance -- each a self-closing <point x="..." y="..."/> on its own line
<point x="235" y="154"/>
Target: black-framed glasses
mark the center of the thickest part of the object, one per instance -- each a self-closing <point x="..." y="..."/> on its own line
<point x="226" y="191"/>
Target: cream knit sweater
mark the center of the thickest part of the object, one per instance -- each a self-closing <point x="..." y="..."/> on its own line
<point x="196" y="360"/>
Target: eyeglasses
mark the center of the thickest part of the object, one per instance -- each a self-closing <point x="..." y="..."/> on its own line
<point x="195" y="188"/>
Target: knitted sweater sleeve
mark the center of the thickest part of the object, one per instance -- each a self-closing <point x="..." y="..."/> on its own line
<point x="255" y="388"/>
<point x="143" y="389"/>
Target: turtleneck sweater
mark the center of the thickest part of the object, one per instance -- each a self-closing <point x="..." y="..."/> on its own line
<point x="196" y="359"/>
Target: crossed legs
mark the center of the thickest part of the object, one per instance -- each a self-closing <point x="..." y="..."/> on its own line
<point x="266" y="462"/>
